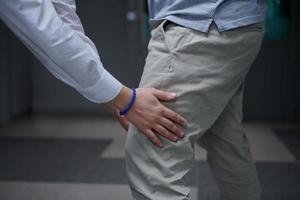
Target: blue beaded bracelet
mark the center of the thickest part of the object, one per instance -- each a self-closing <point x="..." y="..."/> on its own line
<point x="132" y="100"/>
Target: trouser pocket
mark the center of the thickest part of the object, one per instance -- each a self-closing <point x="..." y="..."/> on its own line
<point x="172" y="35"/>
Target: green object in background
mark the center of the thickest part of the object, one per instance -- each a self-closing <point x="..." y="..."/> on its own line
<point x="277" y="23"/>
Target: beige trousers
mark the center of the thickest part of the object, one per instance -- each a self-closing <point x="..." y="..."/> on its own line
<point x="207" y="71"/>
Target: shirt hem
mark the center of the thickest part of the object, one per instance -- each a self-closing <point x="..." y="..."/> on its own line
<point x="221" y="24"/>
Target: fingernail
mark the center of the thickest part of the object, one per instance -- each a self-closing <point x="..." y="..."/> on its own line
<point x="173" y="94"/>
<point x="181" y="134"/>
<point x="185" y="123"/>
<point x="175" y="139"/>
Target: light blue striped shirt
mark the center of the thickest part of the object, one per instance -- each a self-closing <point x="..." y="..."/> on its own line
<point x="199" y="14"/>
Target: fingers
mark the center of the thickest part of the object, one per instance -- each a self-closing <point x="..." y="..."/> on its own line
<point x="164" y="96"/>
<point x="167" y="96"/>
<point x="153" y="138"/>
<point x="170" y="114"/>
<point x="172" y="127"/>
<point x="167" y="134"/>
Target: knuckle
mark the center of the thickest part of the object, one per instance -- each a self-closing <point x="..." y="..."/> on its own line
<point x="148" y="132"/>
<point x="147" y="124"/>
<point x="161" y="112"/>
<point x="169" y="124"/>
<point x="156" y="117"/>
<point x="173" y="127"/>
<point x="176" y="117"/>
<point x="181" y="118"/>
<point x="168" y="135"/>
<point x="164" y="132"/>
<point x="160" y="119"/>
<point x="152" y="137"/>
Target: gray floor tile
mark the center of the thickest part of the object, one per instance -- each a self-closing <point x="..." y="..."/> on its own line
<point x="291" y="138"/>
<point x="265" y="145"/>
<point x="62" y="191"/>
<point x="41" y="159"/>
<point x="280" y="181"/>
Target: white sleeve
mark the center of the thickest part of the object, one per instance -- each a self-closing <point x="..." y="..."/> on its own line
<point x="53" y="33"/>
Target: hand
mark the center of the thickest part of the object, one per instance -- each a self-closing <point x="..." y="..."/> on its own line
<point x="149" y="115"/>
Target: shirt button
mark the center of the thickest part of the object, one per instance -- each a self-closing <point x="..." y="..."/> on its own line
<point x="188" y="38"/>
<point x="171" y="68"/>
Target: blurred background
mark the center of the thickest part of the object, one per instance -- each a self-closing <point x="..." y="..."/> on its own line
<point x="54" y="144"/>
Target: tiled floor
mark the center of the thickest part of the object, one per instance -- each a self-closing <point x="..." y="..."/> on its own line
<point x="70" y="158"/>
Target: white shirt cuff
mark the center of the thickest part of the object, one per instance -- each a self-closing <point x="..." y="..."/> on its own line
<point x="106" y="89"/>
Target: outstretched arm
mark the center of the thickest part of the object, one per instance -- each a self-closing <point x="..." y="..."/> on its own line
<point x="53" y="33"/>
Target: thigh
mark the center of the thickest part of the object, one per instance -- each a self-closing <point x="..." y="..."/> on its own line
<point x="205" y="70"/>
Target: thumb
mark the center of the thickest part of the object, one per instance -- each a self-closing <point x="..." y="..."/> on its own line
<point x="124" y="122"/>
<point x="164" y="96"/>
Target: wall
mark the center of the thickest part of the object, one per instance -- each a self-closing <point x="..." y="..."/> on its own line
<point x="295" y="7"/>
<point x="269" y="91"/>
<point x="273" y="84"/>
<point x="20" y="72"/>
<point x="4" y="76"/>
<point x="15" y="76"/>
